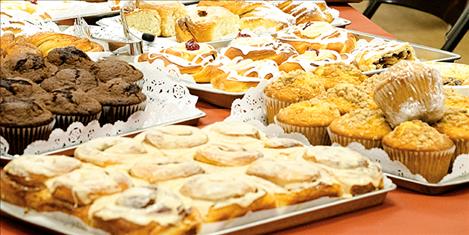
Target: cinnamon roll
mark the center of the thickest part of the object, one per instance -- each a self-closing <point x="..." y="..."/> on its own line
<point x="316" y="36"/>
<point x="226" y="154"/>
<point x="110" y="151"/>
<point x="356" y="173"/>
<point x="163" y="169"/>
<point x="144" y="210"/>
<point x="175" y="137"/>
<point x="283" y="147"/>
<point x="224" y="196"/>
<point x="233" y="129"/>
<point x="25" y="176"/>
<point x="299" y="181"/>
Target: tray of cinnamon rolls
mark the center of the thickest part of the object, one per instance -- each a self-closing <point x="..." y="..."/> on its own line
<point x="227" y="177"/>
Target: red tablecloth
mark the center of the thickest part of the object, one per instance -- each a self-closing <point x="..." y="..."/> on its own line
<point x="403" y="212"/>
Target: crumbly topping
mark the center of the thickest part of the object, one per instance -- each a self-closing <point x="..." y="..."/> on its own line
<point x="294" y="87"/>
<point x="417" y="135"/>
<point x="366" y="123"/>
<point x="455" y="123"/>
<point x="313" y="112"/>
<point x="349" y="97"/>
<point x="409" y="71"/>
<point x="333" y="74"/>
<point x="370" y="83"/>
<point x="456" y="101"/>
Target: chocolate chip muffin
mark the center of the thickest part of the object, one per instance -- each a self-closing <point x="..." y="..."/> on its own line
<point x="73" y="77"/>
<point x="28" y="65"/>
<point x="119" y="99"/>
<point x="22" y="88"/>
<point x="23" y="121"/>
<point x="69" y="57"/>
<point x="108" y="69"/>
<point x="70" y="105"/>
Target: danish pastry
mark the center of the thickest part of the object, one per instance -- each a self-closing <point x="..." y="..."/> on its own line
<point x="206" y="24"/>
<point x="46" y="42"/>
<point x="175" y="137"/>
<point x="163" y="169"/>
<point x="310" y="60"/>
<point x="283" y="147"/>
<point x="224" y="196"/>
<point x="144" y="210"/>
<point x="110" y="150"/>
<point x="266" y="19"/>
<point x="356" y="173"/>
<point x="316" y="36"/>
<point x="237" y="7"/>
<point x="299" y="180"/>
<point x="226" y="154"/>
<point x="308" y="11"/>
<point x="27" y="174"/>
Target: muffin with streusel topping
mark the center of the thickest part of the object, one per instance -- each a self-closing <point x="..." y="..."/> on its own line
<point x="370" y="83"/>
<point x="421" y="148"/>
<point x="453" y="100"/>
<point x="333" y="74"/>
<point x="365" y="126"/>
<point x="349" y="97"/>
<point x="309" y="118"/>
<point x="455" y="124"/>
<point x="290" y="88"/>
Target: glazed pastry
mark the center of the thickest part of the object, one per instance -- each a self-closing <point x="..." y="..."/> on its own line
<point x="163" y="169"/>
<point x="379" y="54"/>
<point x="310" y="60"/>
<point x="107" y="151"/>
<point x="226" y="154"/>
<point x="307" y="11"/>
<point x="266" y="19"/>
<point x="283" y="147"/>
<point x="24" y="176"/>
<point x="309" y="118"/>
<point x="290" y="88"/>
<point x="259" y="48"/>
<point x="231" y="129"/>
<point x="145" y="21"/>
<point x="356" y="173"/>
<point x="365" y="126"/>
<point x="316" y="36"/>
<point x="421" y="148"/>
<point x="224" y="196"/>
<point x="455" y="124"/>
<point x="190" y="58"/>
<point x="168" y="11"/>
<point x="175" y="137"/>
<point x="298" y="181"/>
<point x="410" y="90"/>
<point x="237" y="7"/>
<point x="205" y="24"/>
<point x="349" y="97"/>
<point x="48" y="41"/>
<point x="144" y="210"/>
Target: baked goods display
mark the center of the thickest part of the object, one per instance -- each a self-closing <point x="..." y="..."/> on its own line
<point x="144" y="185"/>
<point x="39" y="93"/>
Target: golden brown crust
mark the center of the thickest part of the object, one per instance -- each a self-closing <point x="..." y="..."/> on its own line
<point x="294" y="87"/>
<point x="333" y="74"/>
<point x="301" y="46"/>
<point x="455" y="124"/>
<point x="361" y="123"/>
<point x="278" y="57"/>
<point x="46" y="42"/>
<point x="349" y="97"/>
<point x="309" y="113"/>
<point x="322" y="190"/>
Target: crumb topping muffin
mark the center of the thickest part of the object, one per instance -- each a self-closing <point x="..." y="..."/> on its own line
<point x="294" y="87"/>
<point x="118" y="92"/>
<point x="309" y="113"/>
<point x="108" y="69"/>
<point x="18" y="112"/>
<point x="370" y="83"/>
<point x="73" y="77"/>
<point x="456" y="101"/>
<point x="349" y="97"/>
<point x="417" y="135"/>
<point x="333" y="74"/>
<point x="361" y="123"/>
<point x="69" y="101"/>
<point x="22" y="88"/>
<point x="455" y="123"/>
<point x="69" y="57"/>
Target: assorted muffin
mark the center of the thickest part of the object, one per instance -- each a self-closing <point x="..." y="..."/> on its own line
<point x="455" y="124"/>
<point x="66" y="86"/>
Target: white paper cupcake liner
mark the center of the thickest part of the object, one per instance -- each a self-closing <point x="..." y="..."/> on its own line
<point x="63" y="121"/>
<point x="111" y="114"/>
<point x="432" y="165"/>
<point x="346" y="140"/>
<point x="462" y="147"/>
<point x="315" y="135"/>
<point x="20" y="137"/>
<point x="273" y="106"/>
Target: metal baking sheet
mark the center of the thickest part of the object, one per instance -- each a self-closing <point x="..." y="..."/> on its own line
<point x="59" y="222"/>
<point x="430" y="188"/>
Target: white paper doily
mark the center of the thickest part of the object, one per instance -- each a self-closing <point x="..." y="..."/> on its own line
<point x="167" y="101"/>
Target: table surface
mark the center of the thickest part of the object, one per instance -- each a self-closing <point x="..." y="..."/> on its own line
<point x="403" y="212"/>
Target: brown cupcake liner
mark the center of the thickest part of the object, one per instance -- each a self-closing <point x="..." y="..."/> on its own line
<point x="432" y="165"/>
<point x="315" y="135"/>
<point x="346" y="140"/>
<point x="20" y="137"/>
<point x="111" y="114"/>
<point x="273" y="106"/>
<point x="63" y="121"/>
